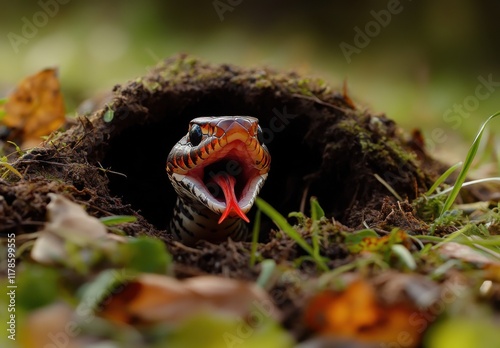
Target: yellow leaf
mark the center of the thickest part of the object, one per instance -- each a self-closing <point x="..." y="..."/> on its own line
<point x="35" y="108"/>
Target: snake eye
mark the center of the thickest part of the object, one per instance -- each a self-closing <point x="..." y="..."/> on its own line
<point x="195" y="135"/>
<point x="260" y="135"/>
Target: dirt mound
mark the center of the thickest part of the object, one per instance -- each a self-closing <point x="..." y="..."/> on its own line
<point x="113" y="161"/>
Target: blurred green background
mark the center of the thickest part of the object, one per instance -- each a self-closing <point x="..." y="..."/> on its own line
<point x="420" y="66"/>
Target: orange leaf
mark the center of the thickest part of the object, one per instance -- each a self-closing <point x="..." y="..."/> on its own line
<point x="35" y="108"/>
<point x="152" y="298"/>
<point x="50" y="326"/>
<point x="357" y="314"/>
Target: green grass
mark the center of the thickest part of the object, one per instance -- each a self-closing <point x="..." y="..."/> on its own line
<point x="10" y="168"/>
<point x="443" y="177"/>
<point x="255" y="238"/>
<point x="388" y="187"/>
<point x="117" y="219"/>
<point x="467" y="164"/>
<point x="281" y="222"/>
<point x="316" y="214"/>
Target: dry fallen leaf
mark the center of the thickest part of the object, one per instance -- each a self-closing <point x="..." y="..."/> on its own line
<point x="357" y="313"/>
<point x="465" y="253"/>
<point x="35" y="108"/>
<point x="396" y="287"/>
<point x="49" y="326"/>
<point x="152" y="298"/>
<point x="68" y="221"/>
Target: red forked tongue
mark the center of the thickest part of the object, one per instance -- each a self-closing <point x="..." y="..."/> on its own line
<point x="227" y="182"/>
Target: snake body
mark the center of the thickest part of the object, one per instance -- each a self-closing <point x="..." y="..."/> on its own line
<point x="217" y="170"/>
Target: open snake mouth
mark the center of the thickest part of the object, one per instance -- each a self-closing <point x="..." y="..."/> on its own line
<point x="227" y="167"/>
<point x="227" y="181"/>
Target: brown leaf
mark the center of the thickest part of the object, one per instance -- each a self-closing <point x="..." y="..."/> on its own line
<point x="466" y="254"/>
<point x="50" y="326"/>
<point x="152" y="298"/>
<point x="419" y="290"/>
<point x="35" y="108"/>
<point x="356" y="313"/>
<point x="68" y="221"/>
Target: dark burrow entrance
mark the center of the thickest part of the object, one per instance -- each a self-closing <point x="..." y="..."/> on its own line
<point x="140" y="153"/>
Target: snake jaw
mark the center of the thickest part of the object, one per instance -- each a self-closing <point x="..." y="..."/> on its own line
<point x="248" y="180"/>
<point x="200" y="190"/>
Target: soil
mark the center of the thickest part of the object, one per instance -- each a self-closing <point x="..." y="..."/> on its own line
<point x="113" y="162"/>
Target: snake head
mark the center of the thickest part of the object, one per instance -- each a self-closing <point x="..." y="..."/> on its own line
<point x="227" y="147"/>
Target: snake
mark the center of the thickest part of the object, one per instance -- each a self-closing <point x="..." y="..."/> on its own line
<point x="217" y="170"/>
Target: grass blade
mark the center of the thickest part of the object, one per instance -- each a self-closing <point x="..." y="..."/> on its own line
<point x="467" y="163"/>
<point x="404" y="255"/>
<point x="443" y="177"/>
<point x="316" y="211"/>
<point x="450" y="237"/>
<point x="255" y="237"/>
<point x="117" y="219"/>
<point x="468" y="183"/>
<point x="18" y="149"/>
<point x="316" y="214"/>
<point x="11" y="168"/>
<point x="388" y="187"/>
<point x="281" y="222"/>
